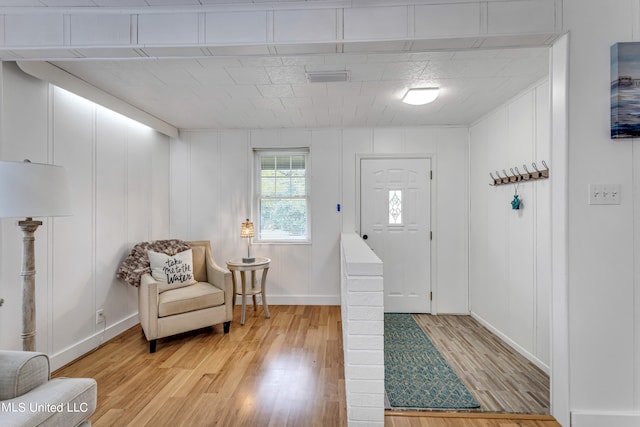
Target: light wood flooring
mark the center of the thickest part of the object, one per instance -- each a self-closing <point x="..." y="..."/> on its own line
<point x="283" y="371"/>
<point x="501" y="379"/>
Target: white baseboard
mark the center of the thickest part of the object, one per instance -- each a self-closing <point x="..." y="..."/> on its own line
<point x="296" y="300"/>
<point x="533" y="359"/>
<point x="609" y="419"/>
<point x="89" y="344"/>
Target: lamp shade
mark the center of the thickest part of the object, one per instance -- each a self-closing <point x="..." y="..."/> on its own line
<point x="246" y="230"/>
<point x="30" y="190"/>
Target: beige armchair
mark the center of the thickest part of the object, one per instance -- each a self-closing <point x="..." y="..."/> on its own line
<point x="205" y="303"/>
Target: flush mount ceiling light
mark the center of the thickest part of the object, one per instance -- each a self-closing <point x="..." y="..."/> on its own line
<point x="328" y="76"/>
<point x="421" y="96"/>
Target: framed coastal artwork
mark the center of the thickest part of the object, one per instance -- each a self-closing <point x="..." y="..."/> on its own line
<point x="625" y="90"/>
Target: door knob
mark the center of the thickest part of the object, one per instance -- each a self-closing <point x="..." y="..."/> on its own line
<point x="365" y="237"/>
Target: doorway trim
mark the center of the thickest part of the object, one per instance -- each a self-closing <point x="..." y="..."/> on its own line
<point x="432" y="204"/>
<point x="560" y="380"/>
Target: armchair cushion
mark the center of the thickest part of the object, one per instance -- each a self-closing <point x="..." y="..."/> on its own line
<point x="189" y="298"/>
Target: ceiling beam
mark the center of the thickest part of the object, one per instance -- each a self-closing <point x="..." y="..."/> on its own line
<point x="56" y="76"/>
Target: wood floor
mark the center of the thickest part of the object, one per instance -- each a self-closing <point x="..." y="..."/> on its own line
<point x="283" y="371"/>
<point x="501" y="379"/>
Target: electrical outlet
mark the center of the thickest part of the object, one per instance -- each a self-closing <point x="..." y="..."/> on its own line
<point x="99" y="316"/>
<point x="604" y="194"/>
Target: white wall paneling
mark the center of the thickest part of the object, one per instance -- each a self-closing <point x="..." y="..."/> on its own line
<point x="229" y="27"/>
<point x="524" y="16"/>
<point x="73" y="236"/>
<point x="45" y="29"/>
<point x="439" y="20"/>
<point x="24" y="136"/>
<point x="118" y="198"/>
<point x="510" y="257"/>
<point x="325" y="216"/>
<point x="152" y="29"/>
<point x="90" y="30"/>
<point x="304" y="25"/>
<point x="542" y="224"/>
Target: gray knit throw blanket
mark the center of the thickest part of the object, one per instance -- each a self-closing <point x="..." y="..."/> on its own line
<point x="137" y="262"/>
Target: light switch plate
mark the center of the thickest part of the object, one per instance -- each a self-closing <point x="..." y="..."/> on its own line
<point x="604" y="194"/>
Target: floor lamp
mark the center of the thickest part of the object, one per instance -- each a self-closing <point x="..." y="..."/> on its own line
<point x="29" y="190"/>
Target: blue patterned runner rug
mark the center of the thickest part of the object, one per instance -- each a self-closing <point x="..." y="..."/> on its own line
<point x="416" y="374"/>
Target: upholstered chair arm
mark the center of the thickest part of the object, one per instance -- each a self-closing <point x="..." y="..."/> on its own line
<point x="221" y="278"/>
<point x="148" y="305"/>
<point x="21" y="372"/>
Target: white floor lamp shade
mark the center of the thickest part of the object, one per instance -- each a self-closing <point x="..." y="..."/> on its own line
<point x="29" y="190"/>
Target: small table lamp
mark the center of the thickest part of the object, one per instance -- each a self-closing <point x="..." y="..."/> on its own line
<point x="30" y="190"/>
<point x="246" y="231"/>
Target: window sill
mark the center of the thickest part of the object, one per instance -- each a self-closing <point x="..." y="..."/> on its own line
<point x="281" y="242"/>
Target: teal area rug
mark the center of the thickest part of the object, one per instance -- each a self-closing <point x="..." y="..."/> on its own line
<point x="416" y="374"/>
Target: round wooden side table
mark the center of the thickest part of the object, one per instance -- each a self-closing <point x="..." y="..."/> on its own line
<point x="260" y="263"/>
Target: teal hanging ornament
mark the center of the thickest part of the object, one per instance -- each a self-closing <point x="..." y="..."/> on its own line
<point x="515" y="203"/>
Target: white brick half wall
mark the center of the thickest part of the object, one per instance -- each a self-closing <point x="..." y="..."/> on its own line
<point x="362" y="331"/>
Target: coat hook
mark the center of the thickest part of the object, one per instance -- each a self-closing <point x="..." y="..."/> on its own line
<point x="520" y="177"/>
<point x="514" y="177"/>
<point x="545" y="172"/>
<point x="506" y="178"/>
<point x="537" y="173"/>
<point x="492" y="179"/>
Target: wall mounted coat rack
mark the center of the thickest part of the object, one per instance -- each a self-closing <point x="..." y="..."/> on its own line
<point x="517" y="176"/>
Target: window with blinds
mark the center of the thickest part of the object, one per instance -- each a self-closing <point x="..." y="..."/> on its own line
<point x="282" y="195"/>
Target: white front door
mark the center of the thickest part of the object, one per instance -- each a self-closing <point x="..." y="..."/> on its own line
<point x="395" y="221"/>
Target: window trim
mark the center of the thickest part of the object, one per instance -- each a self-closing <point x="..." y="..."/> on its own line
<point x="257" y="196"/>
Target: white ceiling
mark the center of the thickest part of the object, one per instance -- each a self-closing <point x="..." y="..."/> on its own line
<point x="273" y="92"/>
<point x="193" y="88"/>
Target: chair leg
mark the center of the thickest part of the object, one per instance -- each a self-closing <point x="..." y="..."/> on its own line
<point x="152" y="346"/>
<point x="226" y="326"/>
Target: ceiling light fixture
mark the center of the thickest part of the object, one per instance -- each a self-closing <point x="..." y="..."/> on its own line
<point x="421" y="96"/>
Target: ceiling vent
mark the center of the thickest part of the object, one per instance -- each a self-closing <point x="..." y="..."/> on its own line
<point x="328" y="76"/>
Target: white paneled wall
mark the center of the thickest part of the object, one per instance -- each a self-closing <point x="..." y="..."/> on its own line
<point x="510" y="256"/>
<point x="118" y="173"/>
<point x="211" y="187"/>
